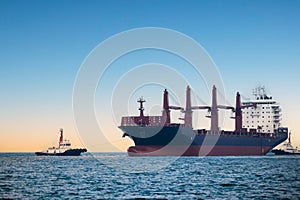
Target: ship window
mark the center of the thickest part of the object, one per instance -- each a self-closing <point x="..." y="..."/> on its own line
<point x="267" y="126"/>
<point x="269" y="121"/>
<point x="263" y="112"/>
<point x="263" y="107"/>
<point x="268" y="116"/>
<point x="263" y="116"/>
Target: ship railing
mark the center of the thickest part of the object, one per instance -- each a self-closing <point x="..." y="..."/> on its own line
<point x="237" y="133"/>
<point x="251" y="133"/>
<point x="233" y="133"/>
<point x="142" y="121"/>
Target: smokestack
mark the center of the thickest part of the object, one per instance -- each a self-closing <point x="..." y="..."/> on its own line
<point x="214" y="111"/>
<point x="188" y="120"/>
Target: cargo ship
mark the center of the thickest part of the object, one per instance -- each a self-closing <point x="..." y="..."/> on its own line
<point x="157" y="136"/>
<point x="63" y="149"/>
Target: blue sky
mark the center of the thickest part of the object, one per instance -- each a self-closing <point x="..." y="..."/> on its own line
<point x="43" y="44"/>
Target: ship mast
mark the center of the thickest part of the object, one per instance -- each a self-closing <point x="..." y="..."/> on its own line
<point x="61" y="137"/>
<point x="214" y="112"/>
<point x="188" y="117"/>
<point x="188" y="109"/>
<point x="238" y="112"/>
<point x="166" y="109"/>
<point x="141" y="108"/>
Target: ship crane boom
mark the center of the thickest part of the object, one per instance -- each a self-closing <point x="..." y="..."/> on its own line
<point x="176" y="108"/>
<point x="201" y="107"/>
<point x="226" y="107"/>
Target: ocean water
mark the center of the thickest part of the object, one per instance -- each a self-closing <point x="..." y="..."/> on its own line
<point x="117" y="176"/>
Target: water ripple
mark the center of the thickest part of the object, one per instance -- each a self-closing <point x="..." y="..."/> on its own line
<point x="25" y="176"/>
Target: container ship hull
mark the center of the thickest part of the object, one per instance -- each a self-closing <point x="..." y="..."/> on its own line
<point x="181" y="141"/>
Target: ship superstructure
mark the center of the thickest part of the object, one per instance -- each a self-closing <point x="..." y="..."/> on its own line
<point x="266" y="117"/>
<point x="158" y="136"/>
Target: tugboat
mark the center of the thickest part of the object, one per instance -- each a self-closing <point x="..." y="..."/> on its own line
<point x="63" y="149"/>
<point x="287" y="148"/>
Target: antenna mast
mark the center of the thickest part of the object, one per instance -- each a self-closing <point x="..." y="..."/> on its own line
<point x="141" y="108"/>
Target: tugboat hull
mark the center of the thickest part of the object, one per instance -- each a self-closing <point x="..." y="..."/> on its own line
<point x="283" y="152"/>
<point x="70" y="152"/>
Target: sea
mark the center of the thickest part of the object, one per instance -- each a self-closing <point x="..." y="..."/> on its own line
<point x="117" y="176"/>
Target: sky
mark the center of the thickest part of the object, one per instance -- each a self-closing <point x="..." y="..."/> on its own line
<point x="44" y="43"/>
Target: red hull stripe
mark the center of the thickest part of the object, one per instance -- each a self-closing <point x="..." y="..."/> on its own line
<point x="198" y="150"/>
